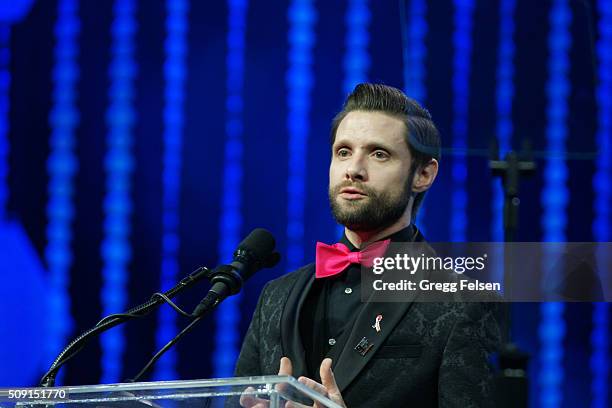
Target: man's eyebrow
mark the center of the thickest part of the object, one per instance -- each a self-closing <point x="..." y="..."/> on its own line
<point x="378" y="145"/>
<point x="369" y="146"/>
<point x="342" y="142"/>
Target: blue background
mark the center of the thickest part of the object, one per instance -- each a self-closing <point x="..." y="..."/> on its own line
<point x="223" y="126"/>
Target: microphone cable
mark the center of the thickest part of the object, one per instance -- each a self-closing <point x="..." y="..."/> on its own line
<point x="167" y="347"/>
<point x="76" y="345"/>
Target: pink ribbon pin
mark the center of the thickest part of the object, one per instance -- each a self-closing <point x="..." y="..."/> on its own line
<point x="377" y="323"/>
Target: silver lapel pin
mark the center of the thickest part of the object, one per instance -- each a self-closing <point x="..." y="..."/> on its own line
<point x="363" y="347"/>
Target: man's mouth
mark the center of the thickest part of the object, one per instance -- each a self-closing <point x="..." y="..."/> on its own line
<point x="352" y="193"/>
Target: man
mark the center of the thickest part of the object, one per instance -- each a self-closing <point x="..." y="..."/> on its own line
<point x="385" y="152"/>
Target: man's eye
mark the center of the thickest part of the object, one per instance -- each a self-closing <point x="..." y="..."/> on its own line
<point x="343" y="153"/>
<point x="379" y="154"/>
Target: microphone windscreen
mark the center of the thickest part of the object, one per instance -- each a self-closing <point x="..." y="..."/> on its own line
<point x="272" y="260"/>
<point x="260" y="242"/>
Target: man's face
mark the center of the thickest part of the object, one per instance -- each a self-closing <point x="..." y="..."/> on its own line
<point x="369" y="171"/>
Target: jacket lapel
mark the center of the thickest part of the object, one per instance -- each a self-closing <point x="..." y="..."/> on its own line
<point x="351" y="361"/>
<point x="292" y="345"/>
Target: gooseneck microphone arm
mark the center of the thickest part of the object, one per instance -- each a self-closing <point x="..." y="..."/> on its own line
<point x="255" y="252"/>
<point x="48" y="380"/>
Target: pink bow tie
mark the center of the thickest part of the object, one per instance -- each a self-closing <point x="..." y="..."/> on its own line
<point x="333" y="259"/>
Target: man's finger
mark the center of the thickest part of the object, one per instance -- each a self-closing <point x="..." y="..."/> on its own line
<point x="327" y="376"/>
<point x="286" y="368"/>
<point x="329" y="381"/>
<point x="249" y="400"/>
<point x="312" y="384"/>
<point x="291" y="404"/>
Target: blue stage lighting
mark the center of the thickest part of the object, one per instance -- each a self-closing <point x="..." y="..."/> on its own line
<point x="228" y="316"/>
<point x="504" y="98"/>
<point x="600" y="335"/>
<point x="62" y="166"/>
<point x="415" y="50"/>
<point x="119" y="164"/>
<point x="555" y="196"/>
<point x="415" y="53"/>
<point x="175" y="73"/>
<point x="357" y="57"/>
<point x="5" y="82"/>
<point x="299" y="80"/>
<point x="462" y="41"/>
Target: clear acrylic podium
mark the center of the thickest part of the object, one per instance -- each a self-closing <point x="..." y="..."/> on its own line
<point x="223" y="392"/>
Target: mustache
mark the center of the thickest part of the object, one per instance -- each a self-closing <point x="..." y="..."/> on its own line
<point x="359" y="186"/>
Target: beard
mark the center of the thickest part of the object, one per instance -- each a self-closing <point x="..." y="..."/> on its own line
<point x="375" y="212"/>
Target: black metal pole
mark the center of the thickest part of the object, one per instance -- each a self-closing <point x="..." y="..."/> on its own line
<point x="512" y="382"/>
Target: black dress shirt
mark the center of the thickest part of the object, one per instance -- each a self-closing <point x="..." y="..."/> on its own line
<point x="331" y="306"/>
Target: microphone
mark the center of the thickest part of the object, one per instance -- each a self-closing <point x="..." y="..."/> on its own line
<point x="72" y="349"/>
<point x="256" y="251"/>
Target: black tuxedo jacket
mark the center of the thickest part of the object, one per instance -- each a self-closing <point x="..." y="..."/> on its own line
<point x="426" y="355"/>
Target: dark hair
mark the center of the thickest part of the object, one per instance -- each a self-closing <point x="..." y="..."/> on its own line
<point x="422" y="136"/>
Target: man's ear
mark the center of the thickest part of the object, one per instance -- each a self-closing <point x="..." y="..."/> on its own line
<point x="425" y="176"/>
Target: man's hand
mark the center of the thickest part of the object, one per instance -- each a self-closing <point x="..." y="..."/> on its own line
<point x="329" y="388"/>
<point x="251" y="401"/>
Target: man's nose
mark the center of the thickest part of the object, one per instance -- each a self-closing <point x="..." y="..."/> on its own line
<point x="356" y="170"/>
